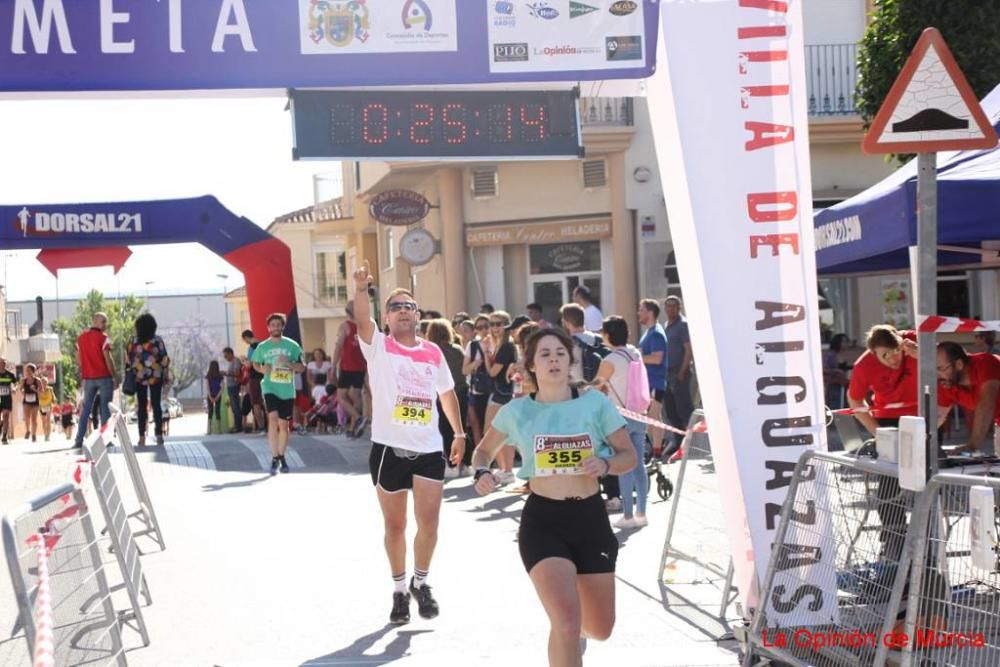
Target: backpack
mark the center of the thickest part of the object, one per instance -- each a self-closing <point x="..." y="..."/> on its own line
<point x="591" y="357"/>
<point x="637" y="396"/>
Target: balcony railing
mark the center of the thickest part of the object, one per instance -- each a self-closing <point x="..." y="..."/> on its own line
<point x="831" y="78"/>
<point x="606" y="111"/>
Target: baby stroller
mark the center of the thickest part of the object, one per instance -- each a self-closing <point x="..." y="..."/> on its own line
<point x="654" y="458"/>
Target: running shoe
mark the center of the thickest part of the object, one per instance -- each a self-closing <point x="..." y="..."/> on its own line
<point x="626" y="523"/>
<point x="400" y="608"/>
<point x="284" y="465"/>
<point x="613" y="504"/>
<point x="274" y="465"/>
<point x="641" y="521"/>
<point x="159" y="440"/>
<point x="359" y="427"/>
<point x="426" y="604"/>
<point x="451" y="472"/>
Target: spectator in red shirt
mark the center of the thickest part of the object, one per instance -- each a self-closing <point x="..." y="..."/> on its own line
<point x="972" y="381"/>
<point x="97" y="371"/>
<point x="888" y="369"/>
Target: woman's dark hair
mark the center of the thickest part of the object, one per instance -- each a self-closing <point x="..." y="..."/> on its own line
<point x="531" y="347"/>
<point x="883" y="335"/>
<point x="439" y="332"/>
<point x="145" y="327"/>
<point x="617" y="329"/>
<point x="213" y="370"/>
<point x="321" y="351"/>
<point x="525" y="332"/>
<point x="837" y="342"/>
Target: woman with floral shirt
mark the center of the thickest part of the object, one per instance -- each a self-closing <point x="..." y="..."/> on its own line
<point x="147" y="356"/>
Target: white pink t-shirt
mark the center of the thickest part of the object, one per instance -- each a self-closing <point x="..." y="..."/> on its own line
<point x="405" y="382"/>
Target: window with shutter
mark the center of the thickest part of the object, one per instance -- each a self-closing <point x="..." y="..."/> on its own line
<point x="484" y="183"/>
<point x="595" y="174"/>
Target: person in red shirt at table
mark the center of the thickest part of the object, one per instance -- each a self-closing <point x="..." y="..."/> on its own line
<point x="888" y="369"/>
<point x="973" y="382"/>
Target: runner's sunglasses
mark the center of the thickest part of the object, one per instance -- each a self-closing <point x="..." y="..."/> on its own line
<point x="408" y="306"/>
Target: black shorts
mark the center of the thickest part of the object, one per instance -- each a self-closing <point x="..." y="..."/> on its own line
<point x="6" y="403"/>
<point x="501" y="399"/>
<point x="283" y="406"/>
<point x="393" y="472"/>
<point x="657" y="395"/>
<point x="67" y="421"/>
<point x="577" y="530"/>
<point x="351" y="380"/>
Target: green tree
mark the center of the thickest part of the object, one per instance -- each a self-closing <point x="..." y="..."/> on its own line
<point x="969" y="27"/>
<point x="121" y="318"/>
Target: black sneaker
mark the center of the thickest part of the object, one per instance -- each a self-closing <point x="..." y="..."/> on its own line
<point x="284" y="464"/>
<point x="400" y="608"/>
<point x="426" y="604"/>
<point x="274" y="465"/>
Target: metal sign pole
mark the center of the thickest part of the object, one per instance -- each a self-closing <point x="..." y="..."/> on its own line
<point x="927" y="241"/>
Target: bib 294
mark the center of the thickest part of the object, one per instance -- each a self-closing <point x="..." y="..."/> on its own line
<point x="562" y="454"/>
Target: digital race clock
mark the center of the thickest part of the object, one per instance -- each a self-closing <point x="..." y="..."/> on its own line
<point x="407" y="125"/>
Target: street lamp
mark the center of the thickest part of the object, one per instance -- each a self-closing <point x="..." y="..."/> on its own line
<point x="225" y="306"/>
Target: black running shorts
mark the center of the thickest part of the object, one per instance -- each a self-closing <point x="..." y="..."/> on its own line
<point x="6" y="403"/>
<point x="577" y="530"/>
<point x="283" y="406"/>
<point x="351" y="380"/>
<point x="393" y="469"/>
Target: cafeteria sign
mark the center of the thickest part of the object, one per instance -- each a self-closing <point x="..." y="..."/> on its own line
<point x="399" y="207"/>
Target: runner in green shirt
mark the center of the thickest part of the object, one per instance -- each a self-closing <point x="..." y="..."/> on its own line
<point x="278" y="359"/>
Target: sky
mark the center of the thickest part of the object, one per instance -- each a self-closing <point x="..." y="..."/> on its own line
<point x="105" y="149"/>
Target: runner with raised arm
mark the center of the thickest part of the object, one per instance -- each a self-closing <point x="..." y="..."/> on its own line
<point x="568" y="439"/>
<point x="406" y="375"/>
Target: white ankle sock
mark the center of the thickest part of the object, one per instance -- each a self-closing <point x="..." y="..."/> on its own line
<point x="399" y="583"/>
<point x="419" y="578"/>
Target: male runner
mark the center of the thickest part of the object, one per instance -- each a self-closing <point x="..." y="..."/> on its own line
<point x="278" y="359"/>
<point x="407" y="374"/>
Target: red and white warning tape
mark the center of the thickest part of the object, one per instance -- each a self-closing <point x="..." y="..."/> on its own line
<point x="701" y="428"/>
<point x="45" y="638"/>
<point x="874" y="411"/>
<point x="938" y="324"/>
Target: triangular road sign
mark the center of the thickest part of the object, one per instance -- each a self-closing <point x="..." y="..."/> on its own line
<point x="931" y="106"/>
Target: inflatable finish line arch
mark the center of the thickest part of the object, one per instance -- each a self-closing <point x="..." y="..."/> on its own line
<point x="266" y="262"/>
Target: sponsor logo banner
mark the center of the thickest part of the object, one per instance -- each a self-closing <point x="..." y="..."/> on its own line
<point x="569" y="35"/>
<point x="263" y="44"/>
<point x="509" y="53"/>
<point x="357" y="26"/>
<point x="623" y="7"/>
<point x="625" y="47"/>
<point x="744" y="165"/>
<point x="577" y="9"/>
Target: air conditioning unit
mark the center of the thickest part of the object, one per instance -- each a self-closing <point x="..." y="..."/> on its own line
<point x="40" y="349"/>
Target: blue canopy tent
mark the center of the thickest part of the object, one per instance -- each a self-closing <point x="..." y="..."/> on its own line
<point x="872" y="231"/>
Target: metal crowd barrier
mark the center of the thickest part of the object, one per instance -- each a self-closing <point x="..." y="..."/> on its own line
<point x="962" y="626"/>
<point x="120" y="533"/>
<point x="907" y="589"/>
<point x="83" y="627"/>
<point x="696" y="541"/>
<point x="118" y="430"/>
